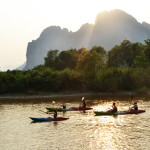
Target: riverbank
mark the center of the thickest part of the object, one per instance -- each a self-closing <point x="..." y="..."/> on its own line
<point x="65" y="94"/>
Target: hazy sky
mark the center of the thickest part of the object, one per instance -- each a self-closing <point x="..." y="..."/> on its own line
<point x="22" y="21"/>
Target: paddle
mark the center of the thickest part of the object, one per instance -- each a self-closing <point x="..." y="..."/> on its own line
<point x="131" y="98"/>
<point x="109" y="108"/>
<point x="46" y="112"/>
<point x="43" y="111"/>
<point x="82" y="100"/>
<point x="53" y="103"/>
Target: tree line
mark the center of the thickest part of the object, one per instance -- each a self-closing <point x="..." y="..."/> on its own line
<point x="126" y="67"/>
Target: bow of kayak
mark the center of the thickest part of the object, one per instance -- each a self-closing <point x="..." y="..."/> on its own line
<point x="41" y="119"/>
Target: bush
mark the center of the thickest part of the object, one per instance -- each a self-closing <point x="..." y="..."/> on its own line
<point x="142" y="91"/>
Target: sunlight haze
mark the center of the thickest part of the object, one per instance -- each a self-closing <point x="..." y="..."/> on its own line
<point x="22" y="21"/>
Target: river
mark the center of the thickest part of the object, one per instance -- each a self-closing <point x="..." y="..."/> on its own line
<point x="82" y="131"/>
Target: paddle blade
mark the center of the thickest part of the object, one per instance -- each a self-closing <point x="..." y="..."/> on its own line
<point x="131" y="97"/>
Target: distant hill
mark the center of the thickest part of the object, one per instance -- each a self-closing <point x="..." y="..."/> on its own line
<point x="110" y="28"/>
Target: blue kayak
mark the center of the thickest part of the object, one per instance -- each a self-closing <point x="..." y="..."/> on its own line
<point x="48" y="119"/>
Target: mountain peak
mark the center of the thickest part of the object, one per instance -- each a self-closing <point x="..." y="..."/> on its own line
<point x="114" y="15"/>
<point x="110" y="28"/>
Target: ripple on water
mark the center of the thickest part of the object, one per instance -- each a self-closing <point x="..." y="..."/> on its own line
<point x="83" y="130"/>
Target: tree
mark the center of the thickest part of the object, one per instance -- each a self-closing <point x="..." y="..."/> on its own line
<point x="82" y="57"/>
<point x="39" y="67"/>
<point x="141" y="61"/>
<point x="147" y="49"/>
<point x="51" y="58"/>
<point x="123" y="55"/>
<point x="100" y="50"/>
<point x="67" y="59"/>
<point x="91" y="61"/>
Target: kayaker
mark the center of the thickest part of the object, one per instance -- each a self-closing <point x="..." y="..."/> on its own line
<point x="83" y="103"/>
<point x="64" y="106"/>
<point x="135" y="107"/>
<point x="114" y="108"/>
<point x="55" y="113"/>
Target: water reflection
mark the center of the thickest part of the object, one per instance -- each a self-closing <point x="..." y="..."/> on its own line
<point x="83" y="130"/>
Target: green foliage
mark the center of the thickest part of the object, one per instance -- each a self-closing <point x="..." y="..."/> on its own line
<point x="141" y="61"/>
<point x="143" y="90"/>
<point x="124" y="67"/>
<point x="100" y="50"/>
<point x="69" y="80"/>
<point x="91" y="62"/>
<point x="124" y="55"/>
<point x="51" y="59"/>
<point x="140" y="77"/>
<point x="147" y="49"/>
<point x="82" y="57"/>
<point x="67" y="59"/>
<point x="39" y="67"/>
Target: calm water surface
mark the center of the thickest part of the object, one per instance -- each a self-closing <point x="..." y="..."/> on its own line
<point x="82" y="131"/>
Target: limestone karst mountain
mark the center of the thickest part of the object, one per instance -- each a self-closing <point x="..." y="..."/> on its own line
<point x="110" y="28"/>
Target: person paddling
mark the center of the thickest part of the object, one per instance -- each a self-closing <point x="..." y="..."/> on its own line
<point x="64" y="106"/>
<point x="135" y="107"/>
<point x="83" y="103"/>
<point x="55" y="113"/>
<point x="114" y="108"/>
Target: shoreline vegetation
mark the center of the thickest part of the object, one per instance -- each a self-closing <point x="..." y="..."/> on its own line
<point x="126" y="67"/>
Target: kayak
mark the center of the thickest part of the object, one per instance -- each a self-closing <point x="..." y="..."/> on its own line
<point x="101" y="113"/>
<point x="48" y="119"/>
<point x="69" y="109"/>
<point x="134" y="111"/>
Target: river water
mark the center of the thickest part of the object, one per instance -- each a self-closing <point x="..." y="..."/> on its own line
<point x="82" y="131"/>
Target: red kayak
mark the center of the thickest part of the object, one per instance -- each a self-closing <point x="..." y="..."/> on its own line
<point x="134" y="111"/>
<point x="69" y="109"/>
<point x="59" y="119"/>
